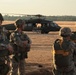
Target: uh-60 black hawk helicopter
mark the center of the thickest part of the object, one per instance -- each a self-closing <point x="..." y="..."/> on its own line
<point x="45" y="26"/>
<point x="42" y="25"/>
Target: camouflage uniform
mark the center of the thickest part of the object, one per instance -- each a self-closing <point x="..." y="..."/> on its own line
<point x="4" y="53"/>
<point x="73" y="38"/>
<point x="20" y="50"/>
<point x="63" y="54"/>
<point x="4" y="50"/>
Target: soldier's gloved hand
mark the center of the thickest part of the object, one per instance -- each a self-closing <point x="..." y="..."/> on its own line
<point x="10" y="48"/>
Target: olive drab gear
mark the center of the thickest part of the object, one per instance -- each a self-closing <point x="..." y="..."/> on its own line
<point x="73" y="37"/>
<point x="4" y="69"/>
<point x="61" y="53"/>
<point x="20" y="49"/>
<point x="66" y="31"/>
<point x="63" y="57"/>
<point x="19" y="22"/>
<point x="64" y="49"/>
<point x="21" y="44"/>
<point x="5" y="49"/>
<point x="3" y="45"/>
<point x="19" y="38"/>
<point x="4" y="52"/>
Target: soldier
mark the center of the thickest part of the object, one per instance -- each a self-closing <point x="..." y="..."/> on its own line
<point x="22" y="45"/>
<point x="73" y="38"/>
<point x="5" y="50"/>
<point x="63" y="53"/>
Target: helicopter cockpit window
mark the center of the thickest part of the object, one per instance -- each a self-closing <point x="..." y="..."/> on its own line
<point x="29" y="24"/>
<point x="55" y="24"/>
<point x="52" y="24"/>
<point x="47" y="24"/>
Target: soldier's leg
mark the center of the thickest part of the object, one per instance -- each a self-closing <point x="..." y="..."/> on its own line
<point x="10" y="65"/>
<point x="72" y="72"/>
<point x="15" y="66"/>
<point x="55" y="72"/>
<point x="22" y="67"/>
<point x="4" y="69"/>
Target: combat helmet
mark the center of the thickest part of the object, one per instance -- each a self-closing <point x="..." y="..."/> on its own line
<point x="1" y="17"/>
<point x="66" y="31"/>
<point x="19" y="22"/>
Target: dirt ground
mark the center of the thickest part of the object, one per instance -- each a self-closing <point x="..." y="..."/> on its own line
<point x="40" y="57"/>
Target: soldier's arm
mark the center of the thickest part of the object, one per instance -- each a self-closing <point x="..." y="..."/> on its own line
<point x="10" y="48"/>
<point x="27" y="38"/>
<point x="12" y="37"/>
<point x="27" y="43"/>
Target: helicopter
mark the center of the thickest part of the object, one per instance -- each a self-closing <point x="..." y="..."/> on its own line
<point x="36" y="24"/>
<point x="44" y="26"/>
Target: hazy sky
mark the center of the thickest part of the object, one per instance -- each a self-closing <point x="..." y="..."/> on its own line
<point x="44" y="7"/>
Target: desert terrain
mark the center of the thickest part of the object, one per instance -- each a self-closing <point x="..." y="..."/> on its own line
<point x="40" y="57"/>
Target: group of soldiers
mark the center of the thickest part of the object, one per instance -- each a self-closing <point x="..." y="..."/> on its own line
<point x="18" y="45"/>
<point x="64" y="53"/>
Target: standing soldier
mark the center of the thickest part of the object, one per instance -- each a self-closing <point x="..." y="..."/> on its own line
<point x="73" y="39"/>
<point x="5" y="50"/>
<point x="21" y="43"/>
<point x="63" y="54"/>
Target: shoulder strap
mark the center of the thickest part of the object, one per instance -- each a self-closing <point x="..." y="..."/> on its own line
<point x="59" y="41"/>
<point x="59" y="49"/>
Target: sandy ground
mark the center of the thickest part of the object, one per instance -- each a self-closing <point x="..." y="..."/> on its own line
<point x="40" y="57"/>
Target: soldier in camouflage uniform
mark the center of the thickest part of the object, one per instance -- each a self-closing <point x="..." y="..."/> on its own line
<point x="21" y="43"/>
<point x="73" y="38"/>
<point x="6" y="49"/>
<point x="63" y="54"/>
